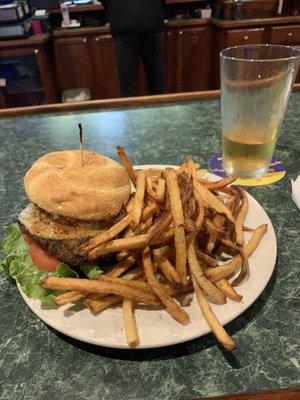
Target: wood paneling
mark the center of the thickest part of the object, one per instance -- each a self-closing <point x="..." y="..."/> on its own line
<point x="74" y="63"/>
<point x="289" y="35"/>
<point x="192" y="59"/>
<point x="37" y="46"/>
<point x="238" y="37"/>
<point x="104" y="66"/>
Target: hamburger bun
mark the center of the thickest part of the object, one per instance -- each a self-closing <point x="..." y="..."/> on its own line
<point x="59" y="184"/>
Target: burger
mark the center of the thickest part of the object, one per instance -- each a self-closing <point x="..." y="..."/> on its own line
<point x="73" y="196"/>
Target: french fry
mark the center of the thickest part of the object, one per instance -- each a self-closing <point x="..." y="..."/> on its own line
<point x="200" y="173"/>
<point x="161" y="224"/>
<point x="150" y="187"/>
<point x="212" y="201"/>
<point x="166" y="267"/>
<point x="178" y="219"/>
<point x="117" y="270"/>
<point x="191" y="166"/>
<point x="141" y="228"/>
<point x="97" y="302"/>
<point x="218" y="330"/>
<point x="94" y="286"/>
<point x="107" y="235"/>
<point x="143" y="286"/>
<point x="121" y="267"/>
<point x="116" y="245"/>
<point x="215" y="295"/>
<point x="240" y="219"/>
<point x="165" y="237"/>
<point x="212" y="262"/>
<point x="130" y="323"/>
<point x="135" y="273"/>
<point x="189" y="225"/>
<point x="160" y="190"/>
<point x="215" y="274"/>
<point x="227" y="243"/>
<point x="130" y="204"/>
<point x="244" y="272"/>
<point x="201" y="213"/>
<point x="218" y="222"/>
<point x="211" y="228"/>
<point x="97" y="305"/>
<point x="127" y="164"/>
<point x="190" y="208"/>
<point x="175" y="310"/>
<point x="69" y="297"/>
<point x="228" y="290"/>
<point x="148" y="211"/>
<point x="247" y="229"/>
<point x="222" y="183"/>
<point x="138" y="202"/>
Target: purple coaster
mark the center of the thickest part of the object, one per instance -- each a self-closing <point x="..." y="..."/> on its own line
<point x="275" y="173"/>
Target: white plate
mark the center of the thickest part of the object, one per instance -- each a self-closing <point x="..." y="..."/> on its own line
<point x="156" y="328"/>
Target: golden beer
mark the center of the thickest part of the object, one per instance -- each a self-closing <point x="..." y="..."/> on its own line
<point x="256" y="81"/>
<point x="246" y="150"/>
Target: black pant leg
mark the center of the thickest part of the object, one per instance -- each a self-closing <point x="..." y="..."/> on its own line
<point x="128" y="62"/>
<point x="153" y="57"/>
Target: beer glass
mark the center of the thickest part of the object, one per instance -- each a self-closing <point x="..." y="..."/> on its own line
<point x="256" y="81"/>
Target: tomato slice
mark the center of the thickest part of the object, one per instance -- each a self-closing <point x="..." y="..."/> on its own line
<point x="42" y="259"/>
<point x="27" y="239"/>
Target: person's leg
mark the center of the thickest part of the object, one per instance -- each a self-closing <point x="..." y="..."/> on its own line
<point x="153" y="56"/>
<point x="128" y="62"/>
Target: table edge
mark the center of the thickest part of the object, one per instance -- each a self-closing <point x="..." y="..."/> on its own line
<point x="116" y="103"/>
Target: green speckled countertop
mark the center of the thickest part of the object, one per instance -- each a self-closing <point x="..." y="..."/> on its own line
<point x="40" y="364"/>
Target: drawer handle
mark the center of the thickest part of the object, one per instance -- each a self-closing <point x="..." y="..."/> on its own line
<point x="168" y="33"/>
<point x="180" y="33"/>
<point x="84" y="40"/>
<point x="290" y="34"/>
<point x="97" y="39"/>
<point x="246" y="38"/>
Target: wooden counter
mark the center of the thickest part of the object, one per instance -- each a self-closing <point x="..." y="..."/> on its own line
<point x="222" y="23"/>
<point x="117" y="103"/>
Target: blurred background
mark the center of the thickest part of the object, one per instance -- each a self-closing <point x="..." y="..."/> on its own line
<point x="52" y="52"/>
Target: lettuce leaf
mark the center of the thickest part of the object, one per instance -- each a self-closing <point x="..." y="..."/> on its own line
<point x="91" y="271"/>
<point x="18" y="264"/>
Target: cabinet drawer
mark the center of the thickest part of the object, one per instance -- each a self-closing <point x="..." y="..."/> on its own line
<point x="245" y="36"/>
<point x="73" y="63"/>
<point x="285" y="35"/>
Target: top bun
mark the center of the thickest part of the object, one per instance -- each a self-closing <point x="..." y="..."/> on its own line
<point x="59" y="184"/>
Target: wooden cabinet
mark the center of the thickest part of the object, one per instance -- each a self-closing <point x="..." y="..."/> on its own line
<point x="170" y="61"/>
<point x="29" y="61"/>
<point x="86" y="57"/>
<point x="192" y="59"/>
<point x="235" y="33"/>
<point x="239" y="37"/>
<point x="87" y="62"/>
<point x="288" y="35"/>
<point x="104" y="66"/>
<point x="74" y="63"/>
<point x="187" y="60"/>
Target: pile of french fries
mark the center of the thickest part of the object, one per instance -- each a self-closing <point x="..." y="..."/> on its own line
<point x="180" y="234"/>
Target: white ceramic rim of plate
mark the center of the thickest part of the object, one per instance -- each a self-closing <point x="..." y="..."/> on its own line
<point x="35" y="305"/>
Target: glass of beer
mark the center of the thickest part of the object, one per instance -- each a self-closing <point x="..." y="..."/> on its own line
<point x="256" y="82"/>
